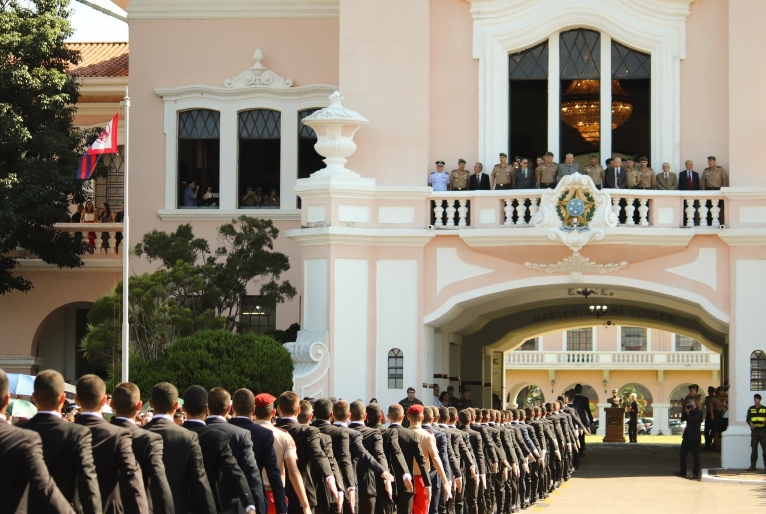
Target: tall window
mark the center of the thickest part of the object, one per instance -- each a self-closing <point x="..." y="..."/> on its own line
<point x="631" y="86"/>
<point x="259" y="158"/>
<point x="530" y="345"/>
<point x="199" y="156"/>
<point x="634" y="339"/>
<point x="528" y="89"/>
<point x="395" y="369"/>
<point x="111" y="189"/>
<point x="757" y="371"/>
<point x="687" y="344"/>
<point x="580" y="340"/>
<point x="580" y="68"/>
<point x="258" y="315"/>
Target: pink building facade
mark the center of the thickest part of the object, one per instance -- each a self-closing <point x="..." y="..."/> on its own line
<point x="400" y="285"/>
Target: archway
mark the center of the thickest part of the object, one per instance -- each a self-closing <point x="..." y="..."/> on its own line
<point x="529" y="395"/>
<point x="57" y="340"/>
<point x="644" y="395"/>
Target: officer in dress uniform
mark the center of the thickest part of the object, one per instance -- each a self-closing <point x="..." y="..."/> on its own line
<point x="458" y="179"/>
<point x="714" y="177"/>
<point x="502" y="174"/>
<point x="595" y="172"/>
<point x="756" y="418"/>
<point x="645" y="178"/>
<point x="632" y="176"/>
<point x="546" y="173"/>
<point x="438" y="179"/>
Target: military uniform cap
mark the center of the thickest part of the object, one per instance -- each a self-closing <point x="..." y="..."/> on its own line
<point x="410" y="389"/>
<point x="263" y="400"/>
<point x="440" y="163"/>
<point x="549" y="153"/>
<point x="503" y="154"/>
<point x="642" y="158"/>
<point x="594" y="156"/>
<point x="415" y="409"/>
<point x="461" y="161"/>
<point x="711" y="158"/>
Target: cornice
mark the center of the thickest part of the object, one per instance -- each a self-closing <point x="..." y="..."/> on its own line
<point x="489" y="237"/>
<point x="364" y="192"/>
<point x="224" y="94"/>
<point x="344" y="236"/>
<point x="102" y="86"/>
<point x="108" y="265"/>
<point x="744" y="237"/>
<point x="744" y="193"/>
<point x="226" y="9"/>
<point x="228" y="215"/>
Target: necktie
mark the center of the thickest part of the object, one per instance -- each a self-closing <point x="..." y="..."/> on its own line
<point x="525" y="173"/>
<point x="666" y="176"/>
<point x="691" y="182"/>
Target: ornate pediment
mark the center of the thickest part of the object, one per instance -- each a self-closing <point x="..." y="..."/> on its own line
<point x="576" y="266"/>
<point x="258" y="75"/>
<point x="575" y="212"/>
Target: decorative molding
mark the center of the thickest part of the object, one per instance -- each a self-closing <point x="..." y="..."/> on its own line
<point x="576" y="265"/>
<point x="227" y="9"/>
<point x="19" y="361"/>
<point x="744" y="237"/>
<point x="346" y="236"/>
<point x="101" y="86"/>
<point x="744" y="193"/>
<point x="362" y="192"/>
<point x="258" y="75"/>
<point x="636" y="236"/>
<point x="703" y="269"/>
<point x="228" y="214"/>
<point x="89" y="265"/>
<point x="450" y="268"/>
<point x="311" y="363"/>
<point x="316" y="92"/>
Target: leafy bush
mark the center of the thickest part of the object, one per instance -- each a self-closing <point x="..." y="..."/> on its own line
<point x="218" y="358"/>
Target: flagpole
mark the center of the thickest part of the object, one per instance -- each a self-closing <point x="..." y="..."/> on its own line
<point x="126" y="247"/>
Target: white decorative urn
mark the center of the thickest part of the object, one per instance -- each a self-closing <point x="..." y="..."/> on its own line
<point x="335" y="127"/>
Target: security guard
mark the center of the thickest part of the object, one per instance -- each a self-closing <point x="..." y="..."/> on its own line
<point x="645" y="177"/>
<point x="502" y="174"/>
<point x="458" y="179"/>
<point x="546" y="173"/>
<point x="408" y="402"/>
<point x="595" y="171"/>
<point x="714" y="177"/>
<point x="756" y="418"/>
<point x="438" y="179"/>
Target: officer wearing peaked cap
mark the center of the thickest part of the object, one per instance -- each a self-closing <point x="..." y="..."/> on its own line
<point x="458" y="179"/>
<point x="438" y="179"/>
<point x="714" y="177"/>
<point x="502" y="174"/>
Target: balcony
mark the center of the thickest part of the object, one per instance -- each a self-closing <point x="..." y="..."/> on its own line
<point x="613" y="360"/>
<point x="98" y="258"/>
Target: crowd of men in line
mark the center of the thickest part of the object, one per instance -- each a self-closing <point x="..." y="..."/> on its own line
<point x="543" y="173"/>
<point x="246" y="453"/>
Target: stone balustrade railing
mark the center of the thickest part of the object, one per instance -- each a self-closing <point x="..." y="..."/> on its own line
<point x="613" y="360"/>
<point x="100" y="229"/>
<point x="633" y="208"/>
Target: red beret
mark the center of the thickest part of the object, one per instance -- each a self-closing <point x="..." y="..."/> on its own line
<point x="415" y="409"/>
<point x="264" y="399"/>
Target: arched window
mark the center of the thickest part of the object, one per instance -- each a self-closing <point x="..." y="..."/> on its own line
<point x="199" y="157"/>
<point x="395" y="369"/>
<point x="259" y="158"/>
<point x="757" y="371"/>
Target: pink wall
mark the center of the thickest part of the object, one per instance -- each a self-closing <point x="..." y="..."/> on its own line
<point x="705" y="86"/>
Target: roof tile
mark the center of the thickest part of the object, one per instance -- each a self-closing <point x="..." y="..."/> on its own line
<point x="101" y="59"/>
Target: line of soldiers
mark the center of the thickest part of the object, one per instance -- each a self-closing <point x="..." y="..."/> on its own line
<point x="543" y="173"/>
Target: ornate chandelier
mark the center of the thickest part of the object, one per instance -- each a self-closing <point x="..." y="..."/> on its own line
<point x="580" y="107"/>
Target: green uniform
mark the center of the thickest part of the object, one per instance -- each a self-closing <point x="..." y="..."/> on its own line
<point x="757" y="416"/>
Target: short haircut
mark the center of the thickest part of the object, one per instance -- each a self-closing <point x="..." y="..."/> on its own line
<point x="522" y="415"/>
<point x="306" y="409"/>
<point x="3" y="385"/>
<point x="560" y="398"/>
<point x="323" y="409"/>
<point x="164" y="397"/>
<point x="395" y="412"/>
<point x="484" y="413"/>
<point x="570" y="394"/>
<point x="428" y="415"/>
<point x="536" y="410"/>
<point x="195" y="400"/>
<point x="373" y="413"/>
<point x="288" y="403"/>
<point x="358" y="410"/>
<point x="218" y="401"/>
<point x="464" y="417"/>
<point x="578" y="389"/>
<point x="125" y="398"/>
<point x="756" y="395"/>
<point x="515" y="413"/>
<point x="243" y="402"/>
<point x="444" y="414"/>
<point x="452" y="413"/>
<point x="340" y="410"/>
<point x="90" y="391"/>
<point x="49" y="386"/>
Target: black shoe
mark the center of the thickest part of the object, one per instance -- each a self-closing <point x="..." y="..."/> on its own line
<point x="695" y="477"/>
<point x="680" y="474"/>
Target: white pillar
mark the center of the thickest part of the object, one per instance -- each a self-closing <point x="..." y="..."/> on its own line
<point x="602" y="418"/>
<point x="605" y="141"/>
<point x="554" y="96"/>
<point x="661" y="419"/>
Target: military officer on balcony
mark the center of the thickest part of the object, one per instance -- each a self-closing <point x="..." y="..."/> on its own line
<point x="714" y="177"/>
<point x="458" y="179"/>
<point x="645" y="177"/>
<point x="546" y="173"/>
<point x="438" y="179"/>
<point x="595" y="171"/>
<point x="502" y="174"/>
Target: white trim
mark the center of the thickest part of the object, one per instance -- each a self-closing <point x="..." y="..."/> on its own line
<point x="89" y="265"/>
<point x="554" y="95"/>
<point x="657" y="27"/>
<point x="334" y="235"/>
<point x="605" y="138"/>
<point x="97" y="86"/>
<point x="229" y="102"/>
<point x="564" y="339"/>
<point x="228" y="214"/>
<point x="222" y="9"/>
<point x="744" y="237"/>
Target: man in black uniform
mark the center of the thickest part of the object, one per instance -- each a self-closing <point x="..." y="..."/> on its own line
<point x="413" y="454"/>
<point x="756" y="418"/>
<point x="691" y="438"/>
<point x="408" y="402"/>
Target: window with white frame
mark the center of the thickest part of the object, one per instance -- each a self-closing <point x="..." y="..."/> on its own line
<point x="258" y="315"/>
<point x="259" y="158"/>
<point x="687" y="344"/>
<point x="530" y="345"/>
<point x="395" y="369"/>
<point x="580" y="340"/>
<point x="199" y="151"/>
<point x="634" y="339"/>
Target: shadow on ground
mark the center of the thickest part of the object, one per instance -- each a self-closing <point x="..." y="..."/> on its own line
<point x="610" y="460"/>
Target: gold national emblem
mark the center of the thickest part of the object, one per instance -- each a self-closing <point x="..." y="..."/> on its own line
<point x="575" y="208"/>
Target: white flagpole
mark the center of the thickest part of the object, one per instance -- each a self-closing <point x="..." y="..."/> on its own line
<point x="126" y="247"/>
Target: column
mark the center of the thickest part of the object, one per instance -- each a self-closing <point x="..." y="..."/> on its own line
<point x="602" y="418"/>
<point x="661" y="419"/>
<point x="605" y="142"/>
<point x="554" y="97"/>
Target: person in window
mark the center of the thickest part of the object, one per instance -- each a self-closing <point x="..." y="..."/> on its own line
<point x="249" y="199"/>
<point x="89" y="215"/>
<point x="190" y="194"/>
<point x="208" y="198"/>
<point x="272" y="200"/>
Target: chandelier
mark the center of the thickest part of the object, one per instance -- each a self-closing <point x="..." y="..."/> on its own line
<point x="580" y="107"/>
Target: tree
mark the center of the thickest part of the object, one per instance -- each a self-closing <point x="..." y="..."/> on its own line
<point x="39" y="146"/>
<point x="219" y="358"/>
<point x="625" y="395"/>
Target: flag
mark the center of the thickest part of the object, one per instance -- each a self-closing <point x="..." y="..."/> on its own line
<point x="107" y="141"/>
<point x="87" y="165"/>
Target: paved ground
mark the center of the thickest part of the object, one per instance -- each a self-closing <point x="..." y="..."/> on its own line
<point x="635" y="477"/>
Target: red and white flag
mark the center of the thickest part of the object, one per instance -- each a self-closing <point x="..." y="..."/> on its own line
<point x="107" y="141"/>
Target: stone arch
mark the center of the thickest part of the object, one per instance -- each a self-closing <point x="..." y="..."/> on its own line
<point x="675" y="399"/>
<point x="514" y="391"/>
<point x="56" y="340"/>
<point x="641" y="390"/>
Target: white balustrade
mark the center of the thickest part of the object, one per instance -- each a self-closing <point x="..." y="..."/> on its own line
<point x="612" y="360"/>
<point x="99" y="228"/>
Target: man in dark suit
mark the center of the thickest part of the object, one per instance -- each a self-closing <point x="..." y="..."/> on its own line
<point x="119" y="476"/>
<point x="373" y="442"/>
<point x="397" y="466"/>
<point x="181" y="455"/>
<point x="21" y="452"/>
<point x="473" y="488"/>
<point x="244" y="405"/>
<point x="616" y="176"/>
<point x="340" y="446"/>
<point x="524" y="176"/>
<point x="67" y="447"/>
<point x="438" y="503"/>
<point x="582" y="405"/>
<point x="327" y="503"/>
<point x="689" y="180"/>
<point x="413" y="454"/>
<point x="479" y="181"/>
<point x="690" y="441"/>
<point x="310" y="453"/>
<point x="147" y="448"/>
<point x="220" y="464"/>
<point x="461" y="447"/>
<point x="241" y="443"/>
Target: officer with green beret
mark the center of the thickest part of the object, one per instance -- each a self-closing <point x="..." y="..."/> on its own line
<point x="458" y="179"/>
<point x="502" y="174"/>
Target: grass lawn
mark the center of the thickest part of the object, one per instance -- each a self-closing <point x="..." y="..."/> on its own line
<point x="653" y="439"/>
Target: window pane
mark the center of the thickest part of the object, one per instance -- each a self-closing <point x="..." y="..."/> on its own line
<point x="199" y="162"/>
<point x="530" y="345"/>
<point x="259" y="124"/>
<point x="259" y="315"/>
<point x="259" y="159"/>
<point x="580" y="54"/>
<point x="633" y="339"/>
<point x="528" y="102"/>
<point x="530" y="64"/>
<point x="687" y="344"/>
<point x="580" y="340"/>
<point x="631" y="103"/>
<point x="309" y="160"/>
<point x="199" y="124"/>
<point x="629" y="63"/>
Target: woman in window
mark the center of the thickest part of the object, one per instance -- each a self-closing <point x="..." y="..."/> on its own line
<point x="249" y="199"/>
<point x="89" y="215"/>
<point x="272" y="200"/>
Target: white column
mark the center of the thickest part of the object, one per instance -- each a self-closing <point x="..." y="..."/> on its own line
<point x="605" y="143"/>
<point x="349" y="332"/>
<point x="554" y="96"/>
<point x="288" y="158"/>
<point x="229" y="174"/>
<point x="661" y="419"/>
<point x="602" y="418"/>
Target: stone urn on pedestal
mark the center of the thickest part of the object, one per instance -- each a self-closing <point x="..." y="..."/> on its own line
<point x="335" y="127"/>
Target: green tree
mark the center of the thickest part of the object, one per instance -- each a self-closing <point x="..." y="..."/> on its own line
<point x="640" y="400"/>
<point x="39" y="146"/>
<point x="219" y="358"/>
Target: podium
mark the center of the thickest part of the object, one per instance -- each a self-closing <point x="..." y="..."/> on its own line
<point x="615" y="425"/>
